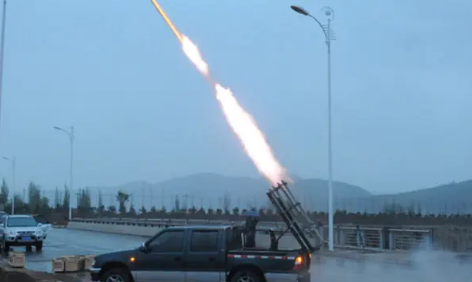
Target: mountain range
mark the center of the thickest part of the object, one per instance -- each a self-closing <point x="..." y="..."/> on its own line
<point x="216" y="191"/>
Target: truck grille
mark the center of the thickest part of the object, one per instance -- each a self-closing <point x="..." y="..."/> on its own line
<point x="25" y="232"/>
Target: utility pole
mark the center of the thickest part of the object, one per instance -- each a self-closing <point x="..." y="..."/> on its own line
<point x="71" y="168"/>
<point x="2" y="51"/>
<point x="329" y="36"/>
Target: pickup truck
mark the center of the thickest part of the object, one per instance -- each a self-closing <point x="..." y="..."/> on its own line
<point x="201" y="254"/>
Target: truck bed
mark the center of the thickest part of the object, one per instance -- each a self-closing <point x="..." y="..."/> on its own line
<point x="269" y="261"/>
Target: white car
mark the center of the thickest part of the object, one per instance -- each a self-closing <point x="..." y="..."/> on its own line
<point x="20" y="230"/>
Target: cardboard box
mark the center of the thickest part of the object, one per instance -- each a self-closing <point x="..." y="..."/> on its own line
<point x="16" y="259"/>
<point x="88" y="262"/>
<point x="58" y="265"/>
<point x="74" y="264"/>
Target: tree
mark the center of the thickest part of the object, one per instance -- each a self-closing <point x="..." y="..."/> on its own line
<point x="101" y="206"/>
<point x="236" y="211"/>
<point x="57" y="200"/>
<point x="132" y="210"/>
<point x="153" y="209"/>
<point x="112" y="209"/>
<point x="66" y="202"/>
<point x="4" y="193"/>
<point x="122" y="198"/>
<point x="34" y="197"/>
<point x="142" y="210"/>
<point x="226" y="202"/>
<point x="84" y="200"/>
<point x="20" y="206"/>
<point x="201" y="211"/>
<point x="44" y="206"/>
<point x="176" y="204"/>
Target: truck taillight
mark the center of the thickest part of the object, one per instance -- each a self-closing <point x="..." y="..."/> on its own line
<point x="299" y="263"/>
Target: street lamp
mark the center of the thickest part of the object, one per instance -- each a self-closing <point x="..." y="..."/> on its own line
<point x="329" y="36"/>
<point x="71" y="139"/>
<point x="2" y="49"/>
<point x="13" y="169"/>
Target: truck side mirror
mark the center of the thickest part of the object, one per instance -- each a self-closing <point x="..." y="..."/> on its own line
<point x="143" y="247"/>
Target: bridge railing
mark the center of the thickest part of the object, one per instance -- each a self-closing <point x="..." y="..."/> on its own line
<point x="347" y="236"/>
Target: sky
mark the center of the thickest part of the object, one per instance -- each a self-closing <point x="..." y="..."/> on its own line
<point x="401" y="90"/>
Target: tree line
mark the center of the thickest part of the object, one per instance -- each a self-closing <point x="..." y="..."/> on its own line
<point x="38" y="203"/>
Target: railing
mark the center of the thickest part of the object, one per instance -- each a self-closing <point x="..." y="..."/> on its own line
<point x="347" y="236"/>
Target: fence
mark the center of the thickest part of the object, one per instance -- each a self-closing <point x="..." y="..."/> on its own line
<point x="373" y="238"/>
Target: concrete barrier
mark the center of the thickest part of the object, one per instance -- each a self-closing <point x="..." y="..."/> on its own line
<point x="145" y="231"/>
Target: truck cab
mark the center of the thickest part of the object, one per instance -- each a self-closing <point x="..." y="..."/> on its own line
<point x="201" y="254"/>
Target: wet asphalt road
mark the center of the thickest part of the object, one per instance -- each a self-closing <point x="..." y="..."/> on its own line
<point x="62" y="241"/>
<point x="76" y="242"/>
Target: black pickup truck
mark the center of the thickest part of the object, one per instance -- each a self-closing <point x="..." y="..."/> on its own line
<point x="201" y="254"/>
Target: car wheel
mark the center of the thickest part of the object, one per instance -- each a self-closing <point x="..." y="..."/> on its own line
<point x="39" y="246"/>
<point x="116" y="275"/>
<point x="245" y="276"/>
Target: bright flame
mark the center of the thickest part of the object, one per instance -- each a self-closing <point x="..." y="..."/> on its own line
<point x="192" y="52"/>
<point x="241" y="122"/>
<point x="251" y="137"/>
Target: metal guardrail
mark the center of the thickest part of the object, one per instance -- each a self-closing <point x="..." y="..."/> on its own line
<point x="356" y="237"/>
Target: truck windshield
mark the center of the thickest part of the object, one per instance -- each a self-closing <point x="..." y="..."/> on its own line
<point x="21" y="222"/>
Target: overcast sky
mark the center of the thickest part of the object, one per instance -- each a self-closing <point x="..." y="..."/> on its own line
<point x="402" y="90"/>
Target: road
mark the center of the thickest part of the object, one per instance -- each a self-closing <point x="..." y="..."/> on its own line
<point x="62" y="241"/>
<point x="76" y="242"/>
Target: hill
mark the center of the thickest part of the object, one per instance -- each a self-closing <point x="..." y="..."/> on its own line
<point x="208" y="189"/>
<point x="213" y="190"/>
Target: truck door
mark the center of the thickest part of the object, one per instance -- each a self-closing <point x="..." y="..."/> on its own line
<point x="163" y="260"/>
<point x="205" y="261"/>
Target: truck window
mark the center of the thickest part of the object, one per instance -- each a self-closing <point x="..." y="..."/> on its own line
<point x="204" y="241"/>
<point x="168" y="242"/>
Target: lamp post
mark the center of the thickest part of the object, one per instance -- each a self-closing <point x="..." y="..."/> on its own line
<point x="13" y="172"/>
<point x="329" y="36"/>
<point x="2" y="50"/>
<point x="71" y="140"/>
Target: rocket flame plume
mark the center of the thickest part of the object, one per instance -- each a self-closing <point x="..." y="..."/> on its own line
<point x="241" y="122"/>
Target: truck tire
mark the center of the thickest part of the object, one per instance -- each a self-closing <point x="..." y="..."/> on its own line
<point x="116" y="275"/>
<point x="39" y="246"/>
<point x="246" y="276"/>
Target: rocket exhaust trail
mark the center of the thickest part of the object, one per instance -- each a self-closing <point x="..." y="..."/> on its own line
<point x="168" y="21"/>
<point x="241" y="122"/>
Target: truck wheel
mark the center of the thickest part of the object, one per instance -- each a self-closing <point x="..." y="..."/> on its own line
<point x="116" y="275"/>
<point x="246" y="276"/>
<point x="39" y="246"/>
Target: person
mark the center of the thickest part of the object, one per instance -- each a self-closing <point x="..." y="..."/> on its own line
<point x="251" y="232"/>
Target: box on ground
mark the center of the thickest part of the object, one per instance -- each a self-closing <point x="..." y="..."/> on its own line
<point x="16" y="259"/>
<point x="58" y="265"/>
<point x="88" y="261"/>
